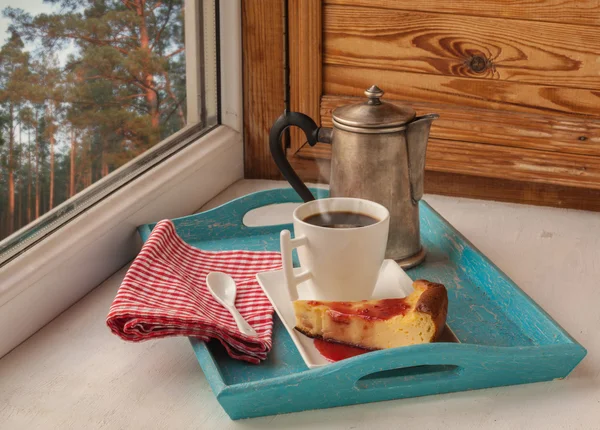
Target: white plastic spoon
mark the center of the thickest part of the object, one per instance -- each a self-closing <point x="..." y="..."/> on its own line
<point x="223" y="289"/>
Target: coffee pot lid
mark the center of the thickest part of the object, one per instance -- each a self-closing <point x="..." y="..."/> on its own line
<point x="373" y="113"/>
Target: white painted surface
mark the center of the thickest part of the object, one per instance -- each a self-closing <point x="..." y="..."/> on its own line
<point x="230" y="51"/>
<point x="75" y="374"/>
<point x="194" y="79"/>
<point x="276" y="214"/>
<point x="51" y="276"/>
<point x="37" y="286"/>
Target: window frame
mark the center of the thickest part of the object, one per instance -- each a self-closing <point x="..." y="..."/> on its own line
<point x="51" y="275"/>
<point x="201" y="117"/>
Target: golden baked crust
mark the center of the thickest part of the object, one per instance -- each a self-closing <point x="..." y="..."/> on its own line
<point x="377" y="324"/>
<point x="433" y="301"/>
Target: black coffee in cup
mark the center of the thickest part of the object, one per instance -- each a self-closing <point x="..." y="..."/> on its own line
<point x="340" y="219"/>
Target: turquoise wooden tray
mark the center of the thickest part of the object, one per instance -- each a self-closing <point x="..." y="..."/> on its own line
<point x="506" y="338"/>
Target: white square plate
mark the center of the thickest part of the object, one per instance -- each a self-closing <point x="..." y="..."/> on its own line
<point x="393" y="282"/>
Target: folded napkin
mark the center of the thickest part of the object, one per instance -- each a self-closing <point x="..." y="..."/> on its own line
<point x="164" y="294"/>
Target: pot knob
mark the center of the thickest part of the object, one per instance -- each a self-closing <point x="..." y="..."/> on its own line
<point x="374" y="93"/>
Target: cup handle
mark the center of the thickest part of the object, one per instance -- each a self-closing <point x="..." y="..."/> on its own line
<point x="287" y="245"/>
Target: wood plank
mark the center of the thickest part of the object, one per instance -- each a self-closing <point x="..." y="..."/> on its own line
<point x="263" y="60"/>
<point x="321" y="151"/>
<point x="568" y="134"/>
<point x="317" y="171"/>
<point x="501" y="162"/>
<point x="466" y="92"/>
<point x="515" y="163"/>
<point x="305" y="65"/>
<point x="477" y="187"/>
<point x="467" y="46"/>
<point x="505" y="190"/>
<point x="566" y="11"/>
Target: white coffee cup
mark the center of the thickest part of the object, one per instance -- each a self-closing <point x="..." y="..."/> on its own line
<point x="338" y="263"/>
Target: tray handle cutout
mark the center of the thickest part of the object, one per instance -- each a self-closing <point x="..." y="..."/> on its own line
<point x="263" y="202"/>
<point x="273" y="214"/>
<point x="393" y="378"/>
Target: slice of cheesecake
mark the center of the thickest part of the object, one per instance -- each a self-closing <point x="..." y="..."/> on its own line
<point x="377" y="324"/>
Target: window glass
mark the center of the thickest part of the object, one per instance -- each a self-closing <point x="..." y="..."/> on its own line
<point x="86" y="86"/>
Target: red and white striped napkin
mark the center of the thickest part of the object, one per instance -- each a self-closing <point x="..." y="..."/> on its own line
<point x="164" y="294"/>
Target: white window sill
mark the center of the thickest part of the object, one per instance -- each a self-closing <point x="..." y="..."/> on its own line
<point x="75" y="374"/>
<point x="66" y="265"/>
<point x="43" y="281"/>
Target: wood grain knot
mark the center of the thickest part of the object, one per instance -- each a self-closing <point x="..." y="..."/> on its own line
<point x="583" y="138"/>
<point x="478" y="63"/>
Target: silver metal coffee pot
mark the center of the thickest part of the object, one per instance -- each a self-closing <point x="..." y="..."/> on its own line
<point x="378" y="154"/>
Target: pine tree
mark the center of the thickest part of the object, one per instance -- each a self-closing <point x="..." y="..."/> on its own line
<point x="28" y="121"/>
<point x="14" y="74"/>
<point x="3" y="176"/>
<point x="38" y="161"/>
<point x="120" y="92"/>
<point x="131" y="45"/>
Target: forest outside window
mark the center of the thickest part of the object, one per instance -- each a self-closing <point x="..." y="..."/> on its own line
<point x="86" y="89"/>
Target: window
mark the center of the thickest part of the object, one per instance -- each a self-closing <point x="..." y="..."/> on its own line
<point x="92" y="94"/>
<point x="58" y="258"/>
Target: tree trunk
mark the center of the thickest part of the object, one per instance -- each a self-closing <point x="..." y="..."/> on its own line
<point x="19" y="196"/>
<point x="29" y="175"/>
<point x="103" y="163"/>
<point x="51" y="132"/>
<point x="11" y="175"/>
<point x="19" y="183"/>
<point x="72" y="177"/>
<point x="37" y="168"/>
<point x="89" y="163"/>
<point x="51" y="202"/>
<point x="83" y="163"/>
<point x="151" y="96"/>
<point x="152" y="100"/>
<point x="173" y="97"/>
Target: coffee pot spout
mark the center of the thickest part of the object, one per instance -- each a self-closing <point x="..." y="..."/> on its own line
<point x="417" y="134"/>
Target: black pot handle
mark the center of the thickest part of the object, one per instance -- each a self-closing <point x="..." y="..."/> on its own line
<point x="311" y="130"/>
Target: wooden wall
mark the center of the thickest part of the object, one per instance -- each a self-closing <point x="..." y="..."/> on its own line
<point x="516" y="84"/>
<point x="263" y="81"/>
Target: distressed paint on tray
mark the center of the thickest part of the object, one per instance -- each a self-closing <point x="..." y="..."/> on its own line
<point x="505" y="337"/>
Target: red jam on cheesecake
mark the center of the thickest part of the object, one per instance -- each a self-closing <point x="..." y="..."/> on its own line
<point x="377" y="324"/>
